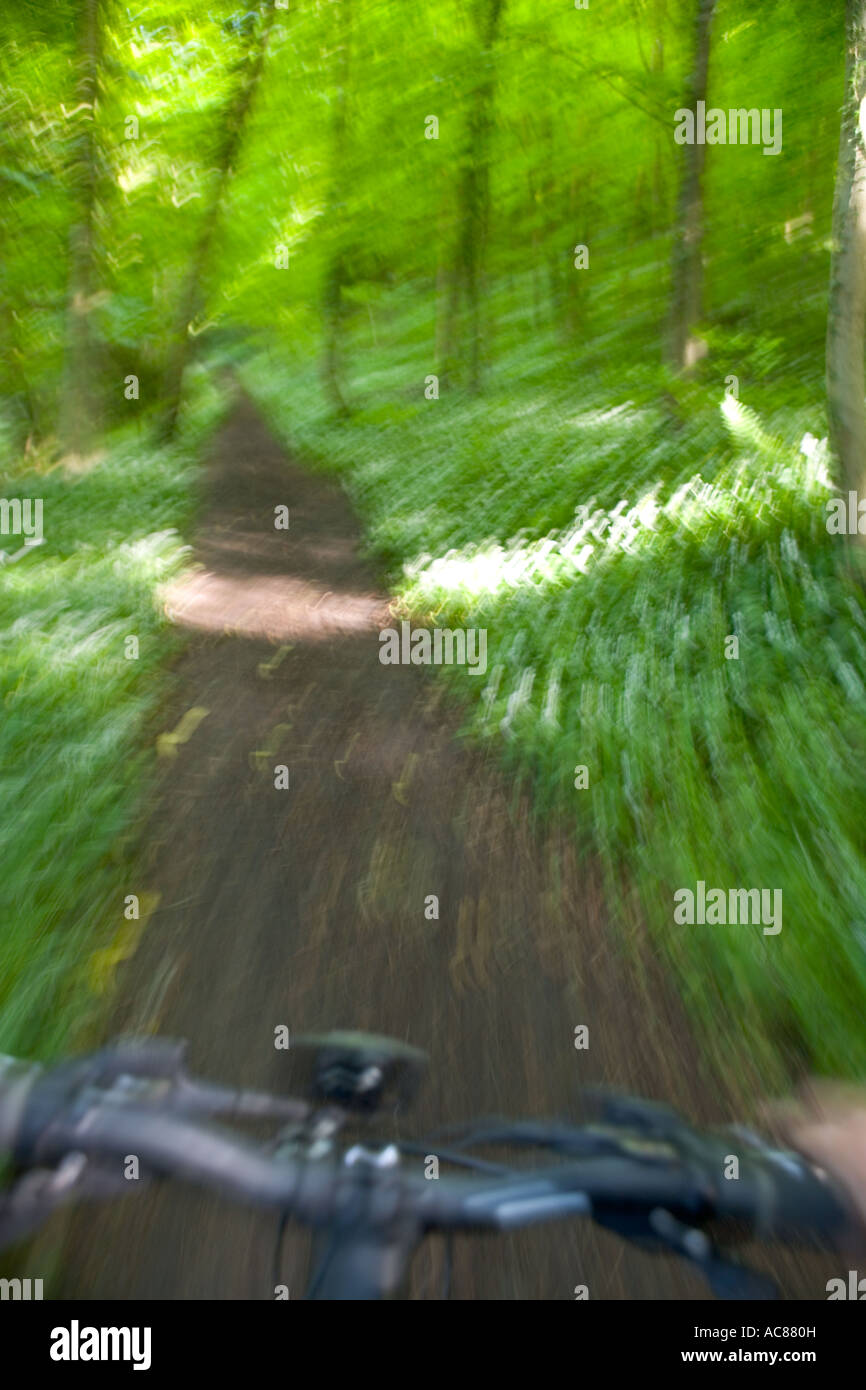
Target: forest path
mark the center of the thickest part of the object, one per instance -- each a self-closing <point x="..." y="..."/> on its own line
<point x="305" y="906"/>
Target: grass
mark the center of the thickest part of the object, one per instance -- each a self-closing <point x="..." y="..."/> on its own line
<point x="610" y="552"/>
<point x="72" y="767"/>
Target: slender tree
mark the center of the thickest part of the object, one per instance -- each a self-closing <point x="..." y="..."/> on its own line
<point x="233" y="123"/>
<point x="78" y="393"/>
<point x="847" y="306"/>
<point x="654" y="66"/>
<point x="474" y="197"/>
<point x="335" y="220"/>
<point x="687" y="268"/>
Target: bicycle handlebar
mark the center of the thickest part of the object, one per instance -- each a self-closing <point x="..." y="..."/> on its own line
<point x="659" y="1181"/>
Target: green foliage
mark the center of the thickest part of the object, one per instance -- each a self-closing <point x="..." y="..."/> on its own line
<point x="609" y="524"/>
<point x="609" y="557"/>
<point x="74" y="708"/>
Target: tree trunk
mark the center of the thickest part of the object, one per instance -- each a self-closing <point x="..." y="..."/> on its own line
<point x="687" y="268"/>
<point x="659" y="199"/>
<point x="573" y="284"/>
<point x="444" y="280"/>
<point x="335" y="226"/>
<point x="78" y="406"/>
<point x="474" y="195"/>
<point x="847" y="302"/>
<point x="233" y="124"/>
<point x="15" y="359"/>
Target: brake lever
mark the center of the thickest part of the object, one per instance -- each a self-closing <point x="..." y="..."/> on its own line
<point x="128" y="1061"/>
<point x="658" y="1229"/>
<point x="35" y="1196"/>
<point x="159" y="1059"/>
<point x="726" y="1277"/>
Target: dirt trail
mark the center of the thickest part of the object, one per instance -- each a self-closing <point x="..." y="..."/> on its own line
<point x="305" y="906"/>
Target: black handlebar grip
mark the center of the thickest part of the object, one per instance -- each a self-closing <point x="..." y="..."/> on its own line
<point x="781" y="1196"/>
